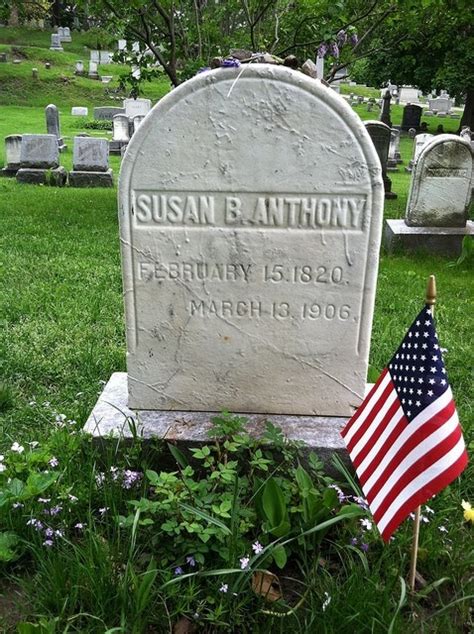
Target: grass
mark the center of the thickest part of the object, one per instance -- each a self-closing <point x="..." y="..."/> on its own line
<point x="62" y="336"/>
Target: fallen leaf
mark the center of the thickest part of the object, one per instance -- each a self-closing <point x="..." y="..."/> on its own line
<point x="266" y="585"/>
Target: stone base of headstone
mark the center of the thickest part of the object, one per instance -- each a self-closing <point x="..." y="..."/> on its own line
<point x="66" y="38"/>
<point x="79" y="73"/>
<point x="93" y="75"/>
<point x="115" y="147"/>
<point x="454" y="116"/>
<point x="91" y="179"/>
<point x="392" y="165"/>
<point x="56" y="48"/>
<point x="438" y="240"/>
<point x="56" y="177"/>
<point x="111" y="417"/>
<point x="9" y="171"/>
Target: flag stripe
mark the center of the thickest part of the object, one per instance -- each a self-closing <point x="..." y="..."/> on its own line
<point x="444" y="471"/>
<point x="391" y="459"/>
<point x="387" y="439"/>
<point x="365" y="409"/>
<point x="403" y="471"/>
<point x="378" y="416"/>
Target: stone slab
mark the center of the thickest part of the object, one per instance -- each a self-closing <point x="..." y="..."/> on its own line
<point x="111" y="417"/>
<point x="446" y="241"/>
<point x="250" y="230"/>
<point x="90" y="154"/>
<point x="56" y="177"/>
<point x="9" y="172"/>
<point x="91" y="179"/>
<point x="107" y="113"/>
<point x="79" y="111"/>
<point x="39" y="151"/>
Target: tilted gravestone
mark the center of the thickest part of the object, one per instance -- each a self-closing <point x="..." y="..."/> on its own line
<point x="53" y="126"/>
<point x="411" y="117"/>
<point x="380" y="134"/>
<point x="12" y="155"/>
<point x="250" y="214"/>
<point x="39" y="160"/>
<point x="90" y="163"/>
<point x="440" y="190"/>
<point x="438" y="200"/>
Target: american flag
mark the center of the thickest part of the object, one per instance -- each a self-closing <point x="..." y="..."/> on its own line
<point x="405" y="439"/>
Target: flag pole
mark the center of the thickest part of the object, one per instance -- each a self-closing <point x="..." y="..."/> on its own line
<point x="430" y="301"/>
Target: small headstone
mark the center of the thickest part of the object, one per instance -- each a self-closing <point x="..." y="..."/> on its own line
<point x="39" y="160"/>
<point x="47" y="65"/>
<point x="440" y="190"/>
<point x="136" y="107"/>
<point x="420" y="141"/>
<point x="79" y="68"/>
<point x="408" y="94"/>
<point x="385" y="112"/>
<point x="107" y="113"/>
<point x="90" y="163"/>
<point x="411" y="117"/>
<point x="93" y="72"/>
<point x="12" y="155"/>
<point x="79" y="111"/>
<point x="60" y="32"/>
<point x="380" y="135"/>
<point x="34" y="73"/>
<point x="17" y="61"/>
<point x="441" y="105"/>
<point x="309" y="68"/>
<point x="55" y="43"/>
<point x="226" y="305"/>
<point x="137" y="121"/>
<point x="66" y="36"/>
<point x="121" y="135"/>
<point x="3" y="58"/>
<point x="121" y="45"/>
<point x="106" y="79"/>
<point x="105" y="57"/>
<point x="394" y="156"/>
<point x="95" y="56"/>
<point x="52" y="125"/>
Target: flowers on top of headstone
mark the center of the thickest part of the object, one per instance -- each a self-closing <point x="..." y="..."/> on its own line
<point x="229" y="62"/>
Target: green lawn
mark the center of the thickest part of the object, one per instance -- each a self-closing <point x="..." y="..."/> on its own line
<point x="61" y="337"/>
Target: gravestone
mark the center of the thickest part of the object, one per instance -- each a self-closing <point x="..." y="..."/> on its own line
<point x="93" y="72"/>
<point x="12" y="155"/>
<point x="136" y="107"/>
<point x="90" y="163"/>
<point x="385" y="112"/>
<point x="60" y="32"/>
<point x="66" y="36"/>
<point x="3" y="58"/>
<point x="47" y="65"/>
<point x="34" y="73"/>
<point x="55" y="43"/>
<point x="438" y="200"/>
<point x="137" y="121"/>
<point x="411" y="117"/>
<point x="250" y="231"/>
<point x="79" y="68"/>
<point x="39" y="160"/>
<point x="79" y="111"/>
<point x="95" y="56"/>
<point x="409" y="94"/>
<point x="121" y="134"/>
<point x="107" y="113"/>
<point x="106" y="79"/>
<point x="440" y="105"/>
<point x="320" y="67"/>
<point x="394" y="156"/>
<point x="105" y="57"/>
<point x="380" y="135"/>
<point x="52" y="125"/>
<point x="420" y="141"/>
<point x="121" y="44"/>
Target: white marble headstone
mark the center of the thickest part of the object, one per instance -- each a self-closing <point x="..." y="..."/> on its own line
<point x="250" y="210"/>
<point x="440" y="190"/>
<point x="136" y="107"/>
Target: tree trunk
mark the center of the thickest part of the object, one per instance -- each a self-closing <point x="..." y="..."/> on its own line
<point x="56" y="12"/>
<point x="468" y="114"/>
<point x="13" y="20"/>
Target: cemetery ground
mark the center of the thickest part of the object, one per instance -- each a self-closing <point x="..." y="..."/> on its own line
<point x="139" y="538"/>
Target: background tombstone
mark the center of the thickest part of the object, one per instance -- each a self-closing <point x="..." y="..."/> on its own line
<point x="66" y="36"/>
<point x="411" y="116"/>
<point x="90" y="163"/>
<point x="105" y="57"/>
<point x="136" y="107"/>
<point x="39" y="160"/>
<point x="80" y="111"/>
<point x="394" y="156"/>
<point x="60" y="32"/>
<point x="137" y="121"/>
<point x="227" y="304"/>
<point x="34" y="73"/>
<point x="107" y="113"/>
<point x="52" y="125"/>
<point x="95" y="56"/>
<point x="55" y="43"/>
<point x="380" y="135"/>
<point x="12" y="155"/>
<point x="93" y="72"/>
<point x="79" y="69"/>
<point x="385" y="112"/>
<point x="121" y="44"/>
<point x="121" y="134"/>
<point x="438" y="200"/>
<point x="419" y="142"/>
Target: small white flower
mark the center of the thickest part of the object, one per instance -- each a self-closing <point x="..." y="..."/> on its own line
<point x="257" y="547"/>
<point x="2" y="458"/>
<point x="18" y="448"/>
<point x="73" y="498"/>
<point x="442" y="529"/>
<point x="224" y="587"/>
<point x="2" y="467"/>
<point x="244" y="563"/>
<point x="428" y="509"/>
<point x="103" y="510"/>
<point x="367" y="524"/>
<point x="53" y="462"/>
<point x="326" y="602"/>
<point x="33" y="444"/>
<point x="424" y="519"/>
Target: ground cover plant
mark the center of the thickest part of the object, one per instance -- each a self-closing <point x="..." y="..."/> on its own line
<point x="146" y="537"/>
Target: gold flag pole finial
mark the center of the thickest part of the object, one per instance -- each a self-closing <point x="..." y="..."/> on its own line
<point x="430" y="301"/>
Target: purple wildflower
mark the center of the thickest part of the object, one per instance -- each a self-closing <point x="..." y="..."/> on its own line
<point x="191" y="561"/>
<point x="353" y="38"/>
<point x="364" y="547"/>
<point x="178" y="570"/>
<point x="353" y="541"/>
<point x="103" y="510"/>
<point x="53" y="462"/>
<point x="54" y="510"/>
<point x="49" y="532"/>
<point x="229" y="62"/>
<point x="37" y="525"/>
<point x="80" y="526"/>
<point x="203" y="69"/>
<point x="244" y="563"/>
<point x="340" y="493"/>
<point x="257" y="547"/>
<point x="341" y="38"/>
<point x="130" y="478"/>
<point x="48" y="543"/>
<point x="322" y="49"/>
<point x="334" y="49"/>
<point x="224" y="587"/>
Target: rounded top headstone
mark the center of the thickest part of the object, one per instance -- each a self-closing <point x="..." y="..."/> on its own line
<point x="250" y="205"/>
